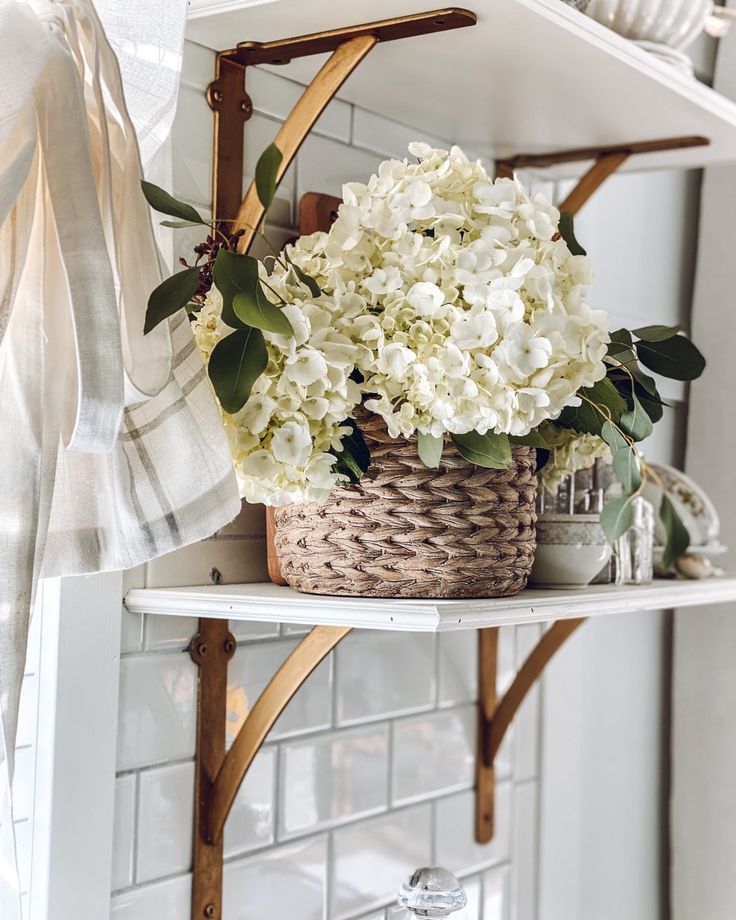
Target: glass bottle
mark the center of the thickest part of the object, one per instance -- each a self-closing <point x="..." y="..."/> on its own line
<point x="635" y="549"/>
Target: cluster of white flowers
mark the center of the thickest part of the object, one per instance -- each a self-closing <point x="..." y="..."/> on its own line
<point x="469" y="312"/>
<point x="450" y="293"/>
<point x="281" y="438"/>
<point x="571" y="452"/>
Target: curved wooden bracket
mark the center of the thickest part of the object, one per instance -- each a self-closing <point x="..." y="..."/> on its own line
<point x="219" y="774"/>
<point x="343" y="61"/>
<point x="604" y="166"/>
<point x="606" y="161"/>
<point x="310" y="652"/>
<point x="494" y="718"/>
<point x="232" y="105"/>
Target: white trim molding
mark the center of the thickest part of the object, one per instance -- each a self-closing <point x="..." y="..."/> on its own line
<point x="276" y="604"/>
<point x="77" y="741"/>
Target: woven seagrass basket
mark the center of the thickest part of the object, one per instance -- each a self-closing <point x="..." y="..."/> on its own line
<point x="408" y="531"/>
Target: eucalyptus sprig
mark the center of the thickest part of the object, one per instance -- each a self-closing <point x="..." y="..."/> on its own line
<point x="622" y="409"/>
<point x="239" y="358"/>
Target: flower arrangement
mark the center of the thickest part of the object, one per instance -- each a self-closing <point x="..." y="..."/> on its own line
<point x="449" y="304"/>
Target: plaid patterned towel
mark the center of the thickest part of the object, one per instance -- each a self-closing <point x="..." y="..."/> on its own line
<point x="113" y="451"/>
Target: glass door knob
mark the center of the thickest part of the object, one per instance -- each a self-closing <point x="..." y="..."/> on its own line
<point x="432" y="893"/>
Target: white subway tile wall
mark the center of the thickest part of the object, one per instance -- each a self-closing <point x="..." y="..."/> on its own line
<point x="433" y="752"/>
<point x="369" y="771"/>
<point x="252" y="820"/>
<point x="333" y="814"/>
<point x="164" y="822"/>
<point x="123" y="869"/>
<point x="333" y="778"/>
<point x="285" y="881"/>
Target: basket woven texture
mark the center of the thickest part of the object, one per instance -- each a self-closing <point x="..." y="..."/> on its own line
<point x="408" y="531"/>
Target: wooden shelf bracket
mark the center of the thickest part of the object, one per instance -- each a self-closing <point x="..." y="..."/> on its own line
<point x="606" y="160"/>
<point x="495" y="716"/>
<point x="232" y="106"/>
<point x="219" y="774"/>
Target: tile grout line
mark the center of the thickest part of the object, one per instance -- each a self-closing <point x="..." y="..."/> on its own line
<point x="136" y="829"/>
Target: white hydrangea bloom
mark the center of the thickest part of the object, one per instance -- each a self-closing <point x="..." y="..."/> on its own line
<point x="470" y="314"/>
<point x="452" y="296"/>
<point x="280" y="439"/>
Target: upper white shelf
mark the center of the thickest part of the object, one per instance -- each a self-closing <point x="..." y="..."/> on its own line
<point x="532" y="76"/>
<point x="271" y="603"/>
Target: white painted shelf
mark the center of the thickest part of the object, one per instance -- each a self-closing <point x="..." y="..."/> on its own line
<point x="531" y="76"/>
<point x="272" y="603"/>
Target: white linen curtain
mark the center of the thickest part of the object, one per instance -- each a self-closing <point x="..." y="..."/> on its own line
<point x="112" y="446"/>
<point x="703" y="809"/>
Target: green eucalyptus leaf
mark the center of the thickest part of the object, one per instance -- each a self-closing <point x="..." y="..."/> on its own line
<point x="533" y="439"/>
<point x="235" y="364"/>
<point x="160" y="200"/>
<point x="347" y="465"/>
<point x="258" y="311"/>
<point x="234" y="274"/>
<point x="567" y="232"/>
<point x="267" y="169"/>
<point x="636" y="421"/>
<point x="677" y="538"/>
<point x="489" y="450"/>
<point x="588" y="417"/>
<point x="613" y="437"/>
<point x="616" y="518"/>
<point x="430" y="449"/>
<point x="171" y="295"/>
<point x="353" y="458"/>
<point x="621" y="352"/>
<point x="621" y="345"/>
<point x="656" y="333"/>
<point x="676" y="358"/>
<point x="303" y="277"/>
<point x="627" y="469"/>
<point x="603" y="392"/>
<point x="621" y="337"/>
<point x="644" y="388"/>
<point x="179" y="224"/>
<point x="311" y="284"/>
<point x="649" y="384"/>
<point x="583" y="418"/>
<point x="652" y="403"/>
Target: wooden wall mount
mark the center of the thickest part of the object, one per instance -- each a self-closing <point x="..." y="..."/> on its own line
<point x="219" y="774"/>
<point x="606" y="160"/>
<point x="232" y="106"/>
<point x="495" y="716"/>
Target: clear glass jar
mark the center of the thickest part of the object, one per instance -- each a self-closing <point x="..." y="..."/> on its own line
<point x="635" y="549"/>
<point x="581" y="492"/>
